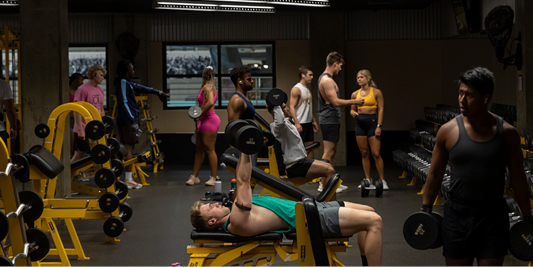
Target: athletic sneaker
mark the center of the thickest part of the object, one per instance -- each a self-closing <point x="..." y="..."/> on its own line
<point x="370" y="181"/>
<point x="193" y="180"/>
<point x="385" y="186"/>
<point x="211" y="181"/>
<point x="133" y="185"/>
<point x="339" y="189"/>
<point x="343" y="187"/>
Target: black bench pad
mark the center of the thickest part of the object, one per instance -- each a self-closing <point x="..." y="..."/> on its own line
<point x="312" y="146"/>
<point x="80" y="162"/>
<point x="222" y="236"/>
<point x="45" y="161"/>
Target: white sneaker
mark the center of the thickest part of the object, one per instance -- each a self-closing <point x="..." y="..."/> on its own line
<point x="343" y="187"/>
<point x="339" y="189"/>
<point x="133" y="185"/>
<point x="193" y="180"/>
<point x="211" y="181"/>
<point x="385" y="186"/>
<point x="370" y="181"/>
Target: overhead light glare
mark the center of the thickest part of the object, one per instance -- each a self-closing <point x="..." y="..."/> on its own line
<point x="311" y="3"/>
<point x="213" y="7"/>
<point x="9" y="2"/>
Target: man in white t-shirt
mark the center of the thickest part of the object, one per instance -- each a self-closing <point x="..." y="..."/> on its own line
<point x="6" y="98"/>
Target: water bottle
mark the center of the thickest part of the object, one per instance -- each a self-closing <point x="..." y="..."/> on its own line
<point x="218" y="185"/>
<point x="233" y="184"/>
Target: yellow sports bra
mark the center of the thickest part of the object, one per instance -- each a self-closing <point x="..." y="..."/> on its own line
<point x="370" y="99"/>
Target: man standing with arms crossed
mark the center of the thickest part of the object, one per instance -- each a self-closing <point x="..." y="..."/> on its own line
<point x="329" y="105"/>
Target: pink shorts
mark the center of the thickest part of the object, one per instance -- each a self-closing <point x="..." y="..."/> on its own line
<point x="210" y="122"/>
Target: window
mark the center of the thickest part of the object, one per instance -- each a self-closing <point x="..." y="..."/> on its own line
<point x="12" y="67"/>
<point x="81" y="58"/>
<point x="184" y="65"/>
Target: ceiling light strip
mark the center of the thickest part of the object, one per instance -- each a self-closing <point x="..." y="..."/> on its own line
<point x="313" y="3"/>
<point x="212" y="7"/>
<point x="9" y="2"/>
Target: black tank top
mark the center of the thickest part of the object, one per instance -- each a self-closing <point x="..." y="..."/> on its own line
<point x="249" y="112"/>
<point x="478" y="168"/>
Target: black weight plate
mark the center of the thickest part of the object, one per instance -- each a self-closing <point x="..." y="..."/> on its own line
<point x="122" y="189"/>
<point x="95" y="130"/>
<point x="195" y="112"/>
<point x="231" y="130"/>
<point x="118" y="167"/>
<point x="37" y="205"/>
<point x="364" y="184"/>
<point x="249" y="140"/>
<point x="109" y="124"/>
<point x="125" y="211"/>
<point x="104" y="177"/>
<point x="4" y="225"/>
<point x="193" y="139"/>
<point x="4" y="261"/>
<point x="233" y="152"/>
<point x="38" y="236"/>
<point x="270" y="138"/>
<point x="108" y="202"/>
<point x="113" y="144"/>
<point x="276" y="97"/>
<point x="42" y="130"/>
<point x="379" y="187"/>
<point x="23" y="175"/>
<point x="113" y="226"/>
<point x="421" y="230"/>
<point x="254" y="123"/>
<point x="520" y="239"/>
<point x="439" y="242"/>
<point x="100" y="154"/>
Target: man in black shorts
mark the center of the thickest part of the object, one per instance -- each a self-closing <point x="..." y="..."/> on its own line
<point x="294" y="154"/>
<point x="479" y="146"/>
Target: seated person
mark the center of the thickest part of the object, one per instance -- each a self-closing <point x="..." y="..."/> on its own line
<point x="294" y="154"/>
<point x="257" y="215"/>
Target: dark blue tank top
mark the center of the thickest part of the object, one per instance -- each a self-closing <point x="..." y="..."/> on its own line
<point x="249" y="112"/>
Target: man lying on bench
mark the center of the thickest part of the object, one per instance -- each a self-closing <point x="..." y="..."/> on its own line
<point x="294" y="154"/>
<point x="257" y="215"/>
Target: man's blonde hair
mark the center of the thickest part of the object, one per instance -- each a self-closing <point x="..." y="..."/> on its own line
<point x="93" y="70"/>
<point x="198" y="220"/>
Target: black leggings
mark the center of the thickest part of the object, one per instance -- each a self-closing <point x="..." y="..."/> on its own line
<point x="366" y="124"/>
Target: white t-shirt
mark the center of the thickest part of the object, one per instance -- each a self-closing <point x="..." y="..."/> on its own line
<point x="289" y="138"/>
<point x="5" y="94"/>
<point x="304" y="109"/>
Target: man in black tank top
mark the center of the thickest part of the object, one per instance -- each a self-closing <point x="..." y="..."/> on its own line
<point x="479" y="145"/>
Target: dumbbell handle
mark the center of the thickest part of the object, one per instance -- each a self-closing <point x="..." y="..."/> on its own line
<point x="149" y="119"/>
<point x="23" y="207"/>
<point x="10" y="167"/>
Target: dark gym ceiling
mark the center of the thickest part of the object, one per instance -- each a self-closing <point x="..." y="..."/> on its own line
<point x="145" y="6"/>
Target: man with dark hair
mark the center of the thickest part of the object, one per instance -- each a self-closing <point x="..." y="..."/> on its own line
<point x="128" y="112"/>
<point x="479" y="146"/>
<point x="329" y="105"/>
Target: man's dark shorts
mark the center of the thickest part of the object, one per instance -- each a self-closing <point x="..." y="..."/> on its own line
<point x="127" y="136"/>
<point x="470" y="232"/>
<point x="81" y="145"/>
<point x="329" y="218"/>
<point x="300" y="168"/>
<point x="5" y="136"/>
<point x="308" y="135"/>
<point x="330" y="132"/>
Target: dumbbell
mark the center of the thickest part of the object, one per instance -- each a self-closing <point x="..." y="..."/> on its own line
<point x="36" y="248"/>
<point x="114" y="226"/>
<point x="146" y="106"/>
<point x="276" y="97"/>
<point x="245" y="135"/>
<point x="155" y="143"/>
<point x="19" y="167"/>
<point x="160" y="158"/>
<point x="42" y="130"/>
<point x="102" y="153"/>
<point x="195" y="112"/>
<point x="149" y="119"/>
<point x="31" y="207"/>
<point x="365" y="188"/>
<point x="95" y="130"/>
<point x="153" y="131"/>
<point x="123" y="151"/>
<point x="422" y="230"/>
<point x="520" y="239"/>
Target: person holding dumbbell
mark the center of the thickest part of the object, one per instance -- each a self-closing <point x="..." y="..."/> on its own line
<point x="479" y="145"/>
<point x="207" y="126"/>
<point x="258" y="215"/>
<point x="128" y="112"/>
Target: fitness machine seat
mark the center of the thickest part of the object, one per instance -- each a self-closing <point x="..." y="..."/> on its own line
<point x="80" y="162"/>
<point x="45" y="161"/>
<point x="223" y="237"/>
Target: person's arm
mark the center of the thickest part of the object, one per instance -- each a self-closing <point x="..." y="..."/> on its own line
<point x="235" y="108"/>
<point x="516" y="170"/>
<point x="315" y="124"/>
<point x="379" y="97"/>
<point x="240" y="212"/>
<point x="123" y="104"/>
<point x="437" y="169"/>
<point x="354" y="112"/>
<point x="331" y="94"/>
<point x="9" y="105"/>
<point x="295" y="99"/>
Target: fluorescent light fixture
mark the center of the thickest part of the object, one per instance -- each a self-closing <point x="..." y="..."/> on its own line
<point x="9" y="2"/>
<point x="312" y="3"/>
<point x="212" y="7"/>
<point x="265" y="66"/>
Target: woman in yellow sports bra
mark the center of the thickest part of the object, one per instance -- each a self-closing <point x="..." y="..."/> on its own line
<point x="369" y="117"/>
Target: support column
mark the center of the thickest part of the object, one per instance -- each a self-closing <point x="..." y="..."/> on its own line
<point x="44" y="71"/>
<point x="524" y="97"/>
<point x="327" y="35"/>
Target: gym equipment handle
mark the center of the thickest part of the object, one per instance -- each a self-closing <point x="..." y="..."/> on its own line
<point x="24" y="254"/>
<point x="69" y="208"/>
<point x="10" y="167"/>
<point x="23" y="207"/>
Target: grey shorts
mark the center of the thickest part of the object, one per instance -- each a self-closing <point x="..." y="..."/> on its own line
<point x="329" y="218"/>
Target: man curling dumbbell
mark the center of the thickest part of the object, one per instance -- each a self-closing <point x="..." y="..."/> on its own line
<point x="256" y="215"/>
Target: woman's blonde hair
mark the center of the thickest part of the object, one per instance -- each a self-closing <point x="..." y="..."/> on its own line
<point x="208" y="81"/>
<point x="91" y="73"/>
<point x="368" y="75"/>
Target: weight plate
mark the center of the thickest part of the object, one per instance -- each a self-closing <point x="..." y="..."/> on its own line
<point x="113" y="144"/>
<point x="42" y="130"/>
<point x="117" y="166"/>
<point x="276" y="97"/>
<point x="421" y="230"/>
<point x="37" y="205"/>
<point x="95" y="130"/>
<point x="231" y="131"/>
<point x="364" y="185"/>
<point x="125" y="211"/>
<point x="254" y="123"/>
<point x="4" y="225"/>
<point x="100" y="154"/>
<point x="439" y="242"/>
<point x="113" y="226"/>
<point x="108" y="202"/>
<point x="104" y="178"/>
<point x="234" y="152"/>
<point x="122" y="189"/>
<point x="23" y="174"/>
<point x="270" y="138"/>
<point x="520" y="239"/>
<point x="109" y="124"/>
<point x="42" y="244"/>
<point x="195" y="112"/>
<point x="249" y="140"/>
<point x="4" y="261"/>
<point x="379" y="187"/>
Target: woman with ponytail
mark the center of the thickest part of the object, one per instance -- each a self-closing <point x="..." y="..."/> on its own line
<point x="207" y="126"/>
<point x="369" y="117"/>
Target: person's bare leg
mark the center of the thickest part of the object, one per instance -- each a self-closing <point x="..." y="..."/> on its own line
<point x="321" y="169"/>
<point x="459" y="262"/>
<point x="353" y="221"/>
<point x="129" y="156"/>
<point x="375" y="147"/>
<point x="210" y="138"/>
<point x="310" y="153"/>
<point x="362" y="142"/>
<point x="330" y="148"/>
<point x="200" y="153"/>
<point x="361" y="236"/>
<point x="490" y="262"/>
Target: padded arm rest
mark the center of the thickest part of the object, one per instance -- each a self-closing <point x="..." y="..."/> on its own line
<point x="330" y="185"/>
<point x="80" y="162"/>
<point x="262" y="121"/>
<point x="222" y="236"/>
<point x="315" y="231"/>
<point x="45" y="161"/>
<point x="313" y="146"/>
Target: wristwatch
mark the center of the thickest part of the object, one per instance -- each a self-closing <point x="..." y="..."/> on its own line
<point x="379" y="125"/>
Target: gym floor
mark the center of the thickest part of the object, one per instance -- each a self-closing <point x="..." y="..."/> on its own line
<point x="158" y="233"/>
